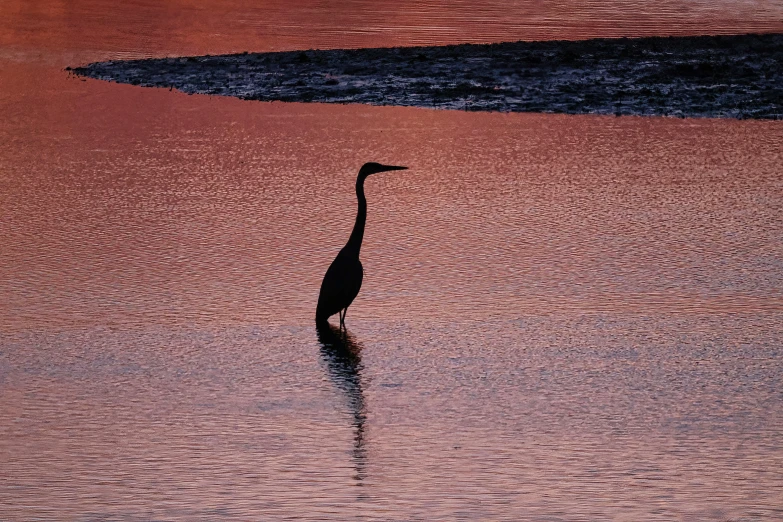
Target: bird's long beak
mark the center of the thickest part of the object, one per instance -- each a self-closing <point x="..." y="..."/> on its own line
<point x="391" y="167"/>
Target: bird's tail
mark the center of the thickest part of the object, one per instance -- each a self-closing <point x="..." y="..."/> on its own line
<point x="321" y="316"/>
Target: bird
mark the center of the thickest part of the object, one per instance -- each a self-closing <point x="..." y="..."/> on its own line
<point x="343" y="278"/>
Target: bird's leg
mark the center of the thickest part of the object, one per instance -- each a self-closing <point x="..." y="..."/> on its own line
<point x="345" y="312"/>
<point x="342" y="318"/>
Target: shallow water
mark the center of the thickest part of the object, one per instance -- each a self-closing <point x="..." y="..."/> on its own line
<point x="92" y="30"/>
<point x="563" y="318"/>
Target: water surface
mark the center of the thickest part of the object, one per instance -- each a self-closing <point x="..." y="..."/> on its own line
<point x="92" y="30"/>
<point x="563" y="318"/>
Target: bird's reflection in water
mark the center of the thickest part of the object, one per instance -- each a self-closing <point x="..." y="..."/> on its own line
<point x="343" y="358"/>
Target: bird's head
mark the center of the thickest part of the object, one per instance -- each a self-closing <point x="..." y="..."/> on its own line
<point x="374" y="168"/>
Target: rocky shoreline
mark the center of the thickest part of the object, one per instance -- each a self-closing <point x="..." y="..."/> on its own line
<point x="702" y="76"/>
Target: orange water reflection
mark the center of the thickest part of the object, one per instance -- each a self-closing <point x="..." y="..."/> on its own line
<point x="89" y="30"/>
<point x="563" y="317"/>
<point x="130" y="205"/>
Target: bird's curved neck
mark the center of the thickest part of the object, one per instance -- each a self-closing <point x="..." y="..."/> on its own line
<point x="354" y="244"/>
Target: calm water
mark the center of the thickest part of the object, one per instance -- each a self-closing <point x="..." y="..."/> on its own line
<point x="563" y="318"/>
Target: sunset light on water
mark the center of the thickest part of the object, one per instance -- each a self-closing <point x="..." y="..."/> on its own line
<point x="562" y="317"/>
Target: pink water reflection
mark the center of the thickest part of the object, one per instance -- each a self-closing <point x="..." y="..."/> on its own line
<point x="571" y="317"/>
<point x="132" y="205"/>
<point x="88" y="30"/>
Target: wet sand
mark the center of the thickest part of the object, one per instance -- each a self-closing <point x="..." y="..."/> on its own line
<point x="702" y="76"/>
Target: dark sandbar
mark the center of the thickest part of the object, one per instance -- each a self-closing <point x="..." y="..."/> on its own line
<point x="704" y="76"/>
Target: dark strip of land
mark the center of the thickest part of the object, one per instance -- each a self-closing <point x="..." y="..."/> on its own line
<point x="702" y="76"/>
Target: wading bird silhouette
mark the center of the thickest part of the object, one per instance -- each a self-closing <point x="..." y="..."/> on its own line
<point x="343" y="279"/>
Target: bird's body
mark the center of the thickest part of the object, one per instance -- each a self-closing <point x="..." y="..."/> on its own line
<point x="343" y="279"/>
<point x="340" y="286"/>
